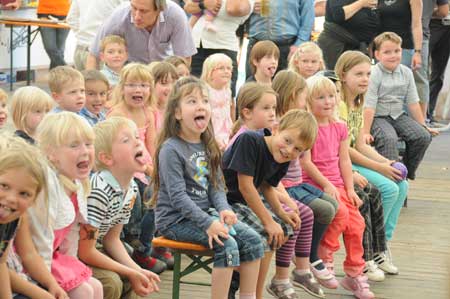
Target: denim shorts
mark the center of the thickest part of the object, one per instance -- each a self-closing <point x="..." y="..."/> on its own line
<point x="304" y="193"/>
<point x="245" y="246"/>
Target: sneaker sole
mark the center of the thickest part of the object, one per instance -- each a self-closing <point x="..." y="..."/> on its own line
<point x="307" y="290"/>
<point x="271" y="292"/>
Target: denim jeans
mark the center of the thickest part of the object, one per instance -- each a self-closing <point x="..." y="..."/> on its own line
<point x="244" y="246"/>
<point x="54" y="40"/>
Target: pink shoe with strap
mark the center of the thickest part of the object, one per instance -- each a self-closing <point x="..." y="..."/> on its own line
<point x="358" y="286"/>
<point x="325" y="277"/>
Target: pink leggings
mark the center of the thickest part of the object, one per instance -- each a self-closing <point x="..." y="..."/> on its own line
<point x="91" y="289"/>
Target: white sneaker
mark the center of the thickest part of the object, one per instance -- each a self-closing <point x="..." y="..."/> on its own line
<point x="372" y="271"/>
<point x="384" y="262"/>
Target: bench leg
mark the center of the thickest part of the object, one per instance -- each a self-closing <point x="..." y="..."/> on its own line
<point x="176" y="275"/>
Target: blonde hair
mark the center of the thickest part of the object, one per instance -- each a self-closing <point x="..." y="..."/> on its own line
<point x="3" y="96"/>
<point x="162" y="70"/>
<point x="384" y="37"/>
<point x="25" y="100"/>
<point x="54" y="131"/>
<point x="94" y="75"/>
<point x="249" y="95"/>
<point x="176" y="61"/>
<point x="211" y="63"/>
<point x="17" y="153"/>
<point x="61" y="75"/>
<point x="345" y="63"/>
<point x="261" y="49"/>
<point x="171" y="128"/>
<point x="310" y="48"/>
<point x="288" y="84"/>
<point x="318" y="85"/>
<point x="134" y="72"/>
<point x="112" y="39"/>
<point x="303" y="123"/>
<point x="105" y="134"/>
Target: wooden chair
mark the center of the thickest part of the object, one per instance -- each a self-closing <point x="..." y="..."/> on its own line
<point x="201" y="258"/>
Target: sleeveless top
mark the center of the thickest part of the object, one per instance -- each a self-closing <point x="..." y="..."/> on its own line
<point x="395" y="16"/>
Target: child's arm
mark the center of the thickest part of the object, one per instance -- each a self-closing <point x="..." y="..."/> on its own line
<point x="345" y="166"/>
<point x="369" y="114"/>
<point x="26" y="288"/>
<point x="416" y="114"/>
<point x="315" y="174"/>
<point x="150" y="135"/>
<point x="35" y="267"/>
<point x="251" y="196"/>
<point x="284" y="198"/>
<point x="370" y="102"/>
<point x="5" y="283"/>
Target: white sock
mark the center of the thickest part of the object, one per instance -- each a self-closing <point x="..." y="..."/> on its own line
<point x="280" y="281"/>
<point x="302" y="271"/>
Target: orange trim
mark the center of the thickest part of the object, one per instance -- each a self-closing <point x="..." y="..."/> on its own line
<point x="163" y="242"/>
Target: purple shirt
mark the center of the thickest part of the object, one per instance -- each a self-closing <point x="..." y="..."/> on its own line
<point x="171" y="35"/>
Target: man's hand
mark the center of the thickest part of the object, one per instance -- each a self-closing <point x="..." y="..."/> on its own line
<point x="292" y="50"/>
<point x="12" y="6"/>
<point x="416" y="62"/>
<point x="213" y="5"/>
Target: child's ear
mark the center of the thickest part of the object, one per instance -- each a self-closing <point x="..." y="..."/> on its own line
<point x="56" y="96"/>
<point x="105" y="159"/>
<point x="101" y="56"/>
<point x="178" y="114"/>
<point x="247" y="113"/>
<point x="377" y="55"/>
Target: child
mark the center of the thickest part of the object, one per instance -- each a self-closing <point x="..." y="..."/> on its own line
<point x="292" y="92"/>
<point x="67" y="89"/>
<point x="256" y="161"/>
<point x="29" y="105"/>
<point x="114" y="55"/>
<point x="22" y="177"/>
<point x="180" y="64"/>
<point x="66" y="140"/>
<point x="187" y="174"/>
<point x="97" y="87"/>
<point x="300" y="242"/>
<point x="209" y="16"/>
<point x="307" y="60"/>
<point x="353" y="68"/>
<point x="263" y="62"/>
<point x="391" y="87"/>
<point x="216" y="72"/>
<point x="165" y="76"/>
<point x="3" y="108"/>
<point x="119" y="154"/>
<point x="328" y="167"/>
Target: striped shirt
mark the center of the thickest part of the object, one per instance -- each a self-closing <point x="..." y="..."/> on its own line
<point x="108" y="204"/>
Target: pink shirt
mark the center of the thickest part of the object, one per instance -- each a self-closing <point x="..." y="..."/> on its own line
<point x="325" y="153"/>
<point x="221" y="113"/>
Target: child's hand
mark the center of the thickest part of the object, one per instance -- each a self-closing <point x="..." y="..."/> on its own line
<point x="388" y="171"/>
<point x="331" y="190"/>
<point x="354" y="198"/>
<point x="216" y="230"/>
<point x="57" y="292"/>
<point x="228" y="217"/>
<point x="140" y="284"/>
<point x="359" y="180"/>
<point x="291" y="218"/>
<point x="367" y="138"/>
<point x="290" y="203"/>
<point x="432" y="131"/>
<point x="275" y="234"/>
<point x="153" y="278"/>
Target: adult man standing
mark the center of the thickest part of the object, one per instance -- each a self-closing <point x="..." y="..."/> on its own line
<point x="287" y="23"/>
<point x="153" y="30"/>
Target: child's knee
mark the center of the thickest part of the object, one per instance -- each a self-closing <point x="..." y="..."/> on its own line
<point x="112" y="286"/>
<point x="325" y="213"/>
<point x="228" y="254"/>
<point x="306" y="213"/>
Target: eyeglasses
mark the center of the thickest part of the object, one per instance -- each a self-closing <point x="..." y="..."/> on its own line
<point x="224" y="68"/>
<point x="138" y="86"/>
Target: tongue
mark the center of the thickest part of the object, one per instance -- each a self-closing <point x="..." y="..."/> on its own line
<point x="83" y="165"/>
<point x="4" y="213"/>
<point x="140" y="159"/>
<point x="201" y="123"/>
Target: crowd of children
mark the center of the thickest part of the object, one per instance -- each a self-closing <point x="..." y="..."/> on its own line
<point x="113" y="157"/>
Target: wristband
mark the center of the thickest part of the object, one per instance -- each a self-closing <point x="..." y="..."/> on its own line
<point x="201" y="5"/>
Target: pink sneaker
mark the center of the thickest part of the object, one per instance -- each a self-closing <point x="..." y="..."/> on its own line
<point x="358" y="286"/>
<point x="325" y="277"/>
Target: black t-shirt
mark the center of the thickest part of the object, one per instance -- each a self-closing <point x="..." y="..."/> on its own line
<point x="364" y="25"/>
<point x="7" y="233"/>
<point x="395" y="16"/>
<point x="250" y="155"/>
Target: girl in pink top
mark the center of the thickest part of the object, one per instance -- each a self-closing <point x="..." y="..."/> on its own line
<point x="216" y="72"/>
<point x="327" y="165"/>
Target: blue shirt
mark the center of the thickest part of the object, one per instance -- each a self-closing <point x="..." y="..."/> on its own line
<point x="91" y="117"/>
<point x="287" y="19"/>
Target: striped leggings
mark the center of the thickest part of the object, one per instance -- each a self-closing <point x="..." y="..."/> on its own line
<point x="300" y="242"/>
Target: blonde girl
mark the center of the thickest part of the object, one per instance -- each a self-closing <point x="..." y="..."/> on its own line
<point x="217" y="70"/>
<point x="327" y="166"/>
<point x="165" y="75"/>
<point x="307" y="60"/>
<point x="187" y="174"/>
<point x="353" y="69"/>
<point x="29" y="105"/>
<point x="134" y="99"/>
<point x="66" y="139"/>
<point x="3" y="108"/>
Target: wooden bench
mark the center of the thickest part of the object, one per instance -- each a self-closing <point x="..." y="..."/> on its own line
<point x="201" y="258"/>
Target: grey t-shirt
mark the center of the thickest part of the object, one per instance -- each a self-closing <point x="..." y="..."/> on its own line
<point x="185" y="191"/>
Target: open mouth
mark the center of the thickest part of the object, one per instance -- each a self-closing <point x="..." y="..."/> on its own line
<point x="83" y="165"/>
<point x="139" y="157"/>
<point x="200" y="121"/>
<point x="5" y="211"/>
<point x="137" y="99"/>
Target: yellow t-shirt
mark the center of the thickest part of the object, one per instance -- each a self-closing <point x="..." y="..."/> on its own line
<point x="354" y="119"/>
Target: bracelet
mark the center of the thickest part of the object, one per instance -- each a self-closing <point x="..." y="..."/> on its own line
<point x="201" y="5"/>
<point x="418" y="51"/>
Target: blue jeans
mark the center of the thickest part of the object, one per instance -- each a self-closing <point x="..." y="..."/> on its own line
<point x="393" y="195"/>
<point x="244" y="246"/>
<point x="421" y="75"/>
<point x="54" y="40"/>
<point x="407" y="55"/>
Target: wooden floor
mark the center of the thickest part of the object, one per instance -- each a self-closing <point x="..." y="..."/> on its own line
<point x="421" y="244"/>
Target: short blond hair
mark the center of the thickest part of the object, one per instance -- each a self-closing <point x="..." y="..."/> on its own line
<point x="105" y="134"/>
<point x="211" y="63"/>
<point x="318" y="85"/>
<point x="54" y="131"/>
<point x="61" y="75"/>
<point x="308" y="47"/>
<point x="15" y="153"/>
<point x="25" y="100"/>
<point x="303" y="123"/>
<point x="384" y="37"/>
<point x="112" y="39"/>
<point x="3" y="96"/>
